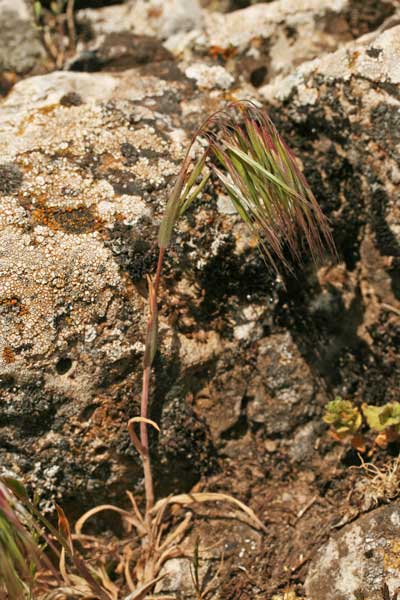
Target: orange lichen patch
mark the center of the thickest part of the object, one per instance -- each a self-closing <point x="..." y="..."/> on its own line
<point x="108" y="161"/>
<point x="8" y="355"/>
<point x="217" y="52"/>
<point x="70" y="220"/>
<point x="43" y="110"/>
<point x="155" y="12"/>
<point x="15" y="305"/>
<point x="353" y="58"/>
<point x="9" y="302"/>
<point x="392" y="556"/>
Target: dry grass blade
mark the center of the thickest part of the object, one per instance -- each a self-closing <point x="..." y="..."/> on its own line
<point x="142" y="592"/>
<point x="132" y="433"/>
<point x="187" y="499"/>
<point x="93" y="511"/>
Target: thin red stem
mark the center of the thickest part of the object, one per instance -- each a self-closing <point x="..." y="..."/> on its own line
<point x="144" y="438"/>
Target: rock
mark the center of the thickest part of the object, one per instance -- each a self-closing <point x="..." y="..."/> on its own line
<point x="302" y="446"/>
<point x="120" y="51"/>
<point x="209" y="77"/>
<point x="345" y="103"/>
<point x="161" y="18"/>
<point x="263" y="41"/>
<point x="86" y="163"/>
<point x="360" y="560"/>
<point x="280" y="393"/>
<point x="82" y="180"/>
<point x="20" y="47"/>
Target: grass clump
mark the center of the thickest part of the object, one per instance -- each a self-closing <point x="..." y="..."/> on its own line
<point x="243" y="152"/>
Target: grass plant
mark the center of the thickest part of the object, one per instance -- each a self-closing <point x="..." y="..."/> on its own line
<point x="242" y="152"/>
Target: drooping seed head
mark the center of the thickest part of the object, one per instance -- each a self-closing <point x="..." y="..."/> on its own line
<point x="261" y="175"/>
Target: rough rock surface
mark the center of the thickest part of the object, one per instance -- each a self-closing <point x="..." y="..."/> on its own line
<point x="344" y="111"/>
<point x="81" y="183"/>
<point x="256" y="43"/>
<point x="265" y="40"/>
<point x="360" y="560"/>
<point x="20" y="48"/>
<point x="247" y="360"/>
<point x="162" y="18"/>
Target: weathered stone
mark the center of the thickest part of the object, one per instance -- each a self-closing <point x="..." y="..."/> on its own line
<point x="120" y="51"/>
<point x="281" y="393"/>
<point x="161" y="18"/>
<point x="82" y="183"/>
<point x="343" y="110"/>
<point x="20" y="47"/>
<point x="359" y="561"/>
<point x="86" y="164"/>
<point x="263" y="41"/>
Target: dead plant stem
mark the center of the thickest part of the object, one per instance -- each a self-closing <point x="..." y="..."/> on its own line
<point x="144" y="438"/>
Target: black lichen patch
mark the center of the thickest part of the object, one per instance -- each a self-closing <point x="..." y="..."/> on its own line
<point x="120" y="51"/>
<point x="10" y="179"/>
<point x="71" y="99"/>
<point x="136" y="256"/>
<point x="30" y="409"/>
<point x="124" y="182"/>
<point x="130" y="153"/>
<point x="185" y="449"/>
<point x="385" y="125"/>
<point x="374" y="52"/>
<point x="385" y="238"/>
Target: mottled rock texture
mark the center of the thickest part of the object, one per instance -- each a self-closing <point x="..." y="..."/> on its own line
<point x="247" y="359"/>
<point x="360" y="560"/>
<point x="256" y="43"/>
<point x="20" y="48"/>
<point x="265" y="40"/>
<point x="83" y="183"/>
<point x="344" y="110"/>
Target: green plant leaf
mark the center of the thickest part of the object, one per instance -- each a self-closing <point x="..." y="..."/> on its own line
<point x="16" y="487"/>
<point x="344" y="418"/>
<point x="37" y="7"/>
<point x="380" y="418"/>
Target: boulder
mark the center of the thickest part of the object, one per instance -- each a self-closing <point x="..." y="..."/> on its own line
<point x="254" y="44"/>
<point x="86" y="165"/>
<point x="362" y="561"/>
<point x="161" y="18"/>
<point x="20" y="47"/>
<point x="86" y="162"/>
<point x="343" y="110"/>
<point x="263" y="41"/>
